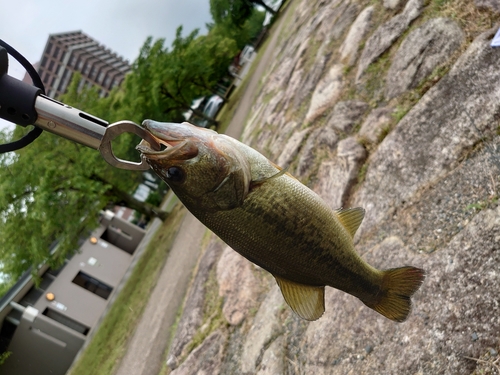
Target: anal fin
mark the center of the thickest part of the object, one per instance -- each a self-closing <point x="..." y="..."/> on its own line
<point x="306" y="301"/>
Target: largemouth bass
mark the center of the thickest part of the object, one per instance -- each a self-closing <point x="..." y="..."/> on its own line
<point x="276" y="222"/>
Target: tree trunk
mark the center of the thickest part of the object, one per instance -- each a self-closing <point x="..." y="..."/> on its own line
<point x="262" y="3"/>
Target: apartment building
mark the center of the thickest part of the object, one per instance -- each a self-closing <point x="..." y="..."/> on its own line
<point x="44" y="327"/>
<point x="67" y="53"/>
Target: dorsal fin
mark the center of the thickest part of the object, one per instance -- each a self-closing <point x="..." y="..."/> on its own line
<point x="351" y="218"/>
<point x="306" y="301"/>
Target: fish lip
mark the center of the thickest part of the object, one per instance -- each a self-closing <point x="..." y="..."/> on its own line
<point x="166" y="140"/>
<point x="145" y="147"/>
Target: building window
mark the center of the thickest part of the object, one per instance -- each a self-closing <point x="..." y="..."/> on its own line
<point x="64" y="81"/>
<point x="81" y="85"/>
<point x="66" y="321"/>
<point x="101" y="78"/>
<point x="92" y="285"/>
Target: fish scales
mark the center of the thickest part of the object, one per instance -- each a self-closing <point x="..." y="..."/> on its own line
<point x="306" y="248"/>
<point x="275" y="221"/>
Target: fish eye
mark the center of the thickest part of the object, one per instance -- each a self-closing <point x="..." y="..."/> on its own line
<point x="175" y="174"/>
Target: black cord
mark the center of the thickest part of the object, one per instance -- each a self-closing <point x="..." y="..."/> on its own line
<point x="37" y="81"/>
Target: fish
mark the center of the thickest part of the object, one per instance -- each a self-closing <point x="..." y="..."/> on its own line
<point x="272" y="219"/>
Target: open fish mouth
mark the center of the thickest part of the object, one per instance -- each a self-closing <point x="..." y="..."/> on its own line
<point x="174" y="141"/>
<point x="165" y="141"/>
<point x="145" y="147"/>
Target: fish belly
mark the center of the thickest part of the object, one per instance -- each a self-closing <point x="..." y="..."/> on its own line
<point x="288" y="230"/>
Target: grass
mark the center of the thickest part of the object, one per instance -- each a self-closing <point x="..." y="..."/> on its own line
<point x="109" y="344"/>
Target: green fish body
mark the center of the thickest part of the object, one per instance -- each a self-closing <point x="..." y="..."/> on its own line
<point x="275" y="221"/>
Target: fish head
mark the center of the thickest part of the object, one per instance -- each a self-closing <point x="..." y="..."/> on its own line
<point x="203" y="168"/>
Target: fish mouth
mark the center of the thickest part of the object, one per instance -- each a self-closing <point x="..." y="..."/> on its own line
<point x="172" y="141"/>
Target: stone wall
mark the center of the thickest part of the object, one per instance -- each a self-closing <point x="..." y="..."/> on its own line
<point x="393" y="106"/>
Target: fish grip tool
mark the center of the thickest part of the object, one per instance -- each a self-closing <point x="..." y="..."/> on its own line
<point x="24" y="104"/>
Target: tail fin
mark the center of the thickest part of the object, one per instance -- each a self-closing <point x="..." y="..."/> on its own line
<point x="398" y="286"/>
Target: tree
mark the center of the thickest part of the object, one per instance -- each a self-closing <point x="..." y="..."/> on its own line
<point x="235" y="12"/>
<point x="264" y="5"/>
<point x="52" y="191"/>
<point x="230" y="21"/>
<point x="165" y="82"/>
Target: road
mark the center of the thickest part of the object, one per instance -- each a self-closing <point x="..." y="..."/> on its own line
<point x="147" y="346"/>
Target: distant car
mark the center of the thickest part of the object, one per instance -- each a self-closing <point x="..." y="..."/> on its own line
<point x="196" y="104"/>
<point x="210" y="109"/>
<point x="246" y="54"/>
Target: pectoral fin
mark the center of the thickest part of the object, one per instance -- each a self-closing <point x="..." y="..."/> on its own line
<point x="306" y="301"/>
<point x="351" y="218"/>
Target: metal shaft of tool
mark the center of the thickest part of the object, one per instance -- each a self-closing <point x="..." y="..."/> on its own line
<point x="69" y="122"/>
<point x="90" y="131"/>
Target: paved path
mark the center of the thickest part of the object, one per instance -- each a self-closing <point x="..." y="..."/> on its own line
<point x="237" y="123"/>
<point x="148" y="344"/>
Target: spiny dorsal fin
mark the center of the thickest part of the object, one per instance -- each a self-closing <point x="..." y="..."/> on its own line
<point x="306" y="301"/>
<point x="351" y="218"/>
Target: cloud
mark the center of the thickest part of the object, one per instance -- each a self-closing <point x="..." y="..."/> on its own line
<point x="120" y="25"/>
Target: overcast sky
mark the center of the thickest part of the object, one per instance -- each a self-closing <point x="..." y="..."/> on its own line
<point x="120" y="25"/>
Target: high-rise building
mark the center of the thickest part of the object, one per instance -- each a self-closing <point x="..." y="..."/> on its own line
<point x="67" y="53"/>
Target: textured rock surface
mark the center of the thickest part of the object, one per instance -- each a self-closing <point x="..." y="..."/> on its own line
<point x="265" y="327"/>
<point x="422" y="51"/>
<point x="359" y="29"/>
<point x="429" y="181"/>
<point x="192" y="318"/>
<point x="239" y="297"/>
<point x="336" y="177"/>
<point x="291" y="148"/>
<point x="321" y="138"/>
<point x="493" y="5"/>
<point x="346" y="114"/>
<point x="375" y="124"/>
<point x="273" y="361"/>
<point x="326" y="93"/>
<point x="205" y="359"/>
<point x="393" y="4"/>
<point x="387" y="34"/>
<point x="432" y="137"/>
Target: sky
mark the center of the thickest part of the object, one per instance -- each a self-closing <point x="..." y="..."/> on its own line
<point x="120" y="25"/>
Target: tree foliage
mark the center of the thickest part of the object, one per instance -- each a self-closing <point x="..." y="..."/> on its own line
<point x="239" y="20"/>
<point x="236" y="12"/>
<point x="52" y="190"/>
